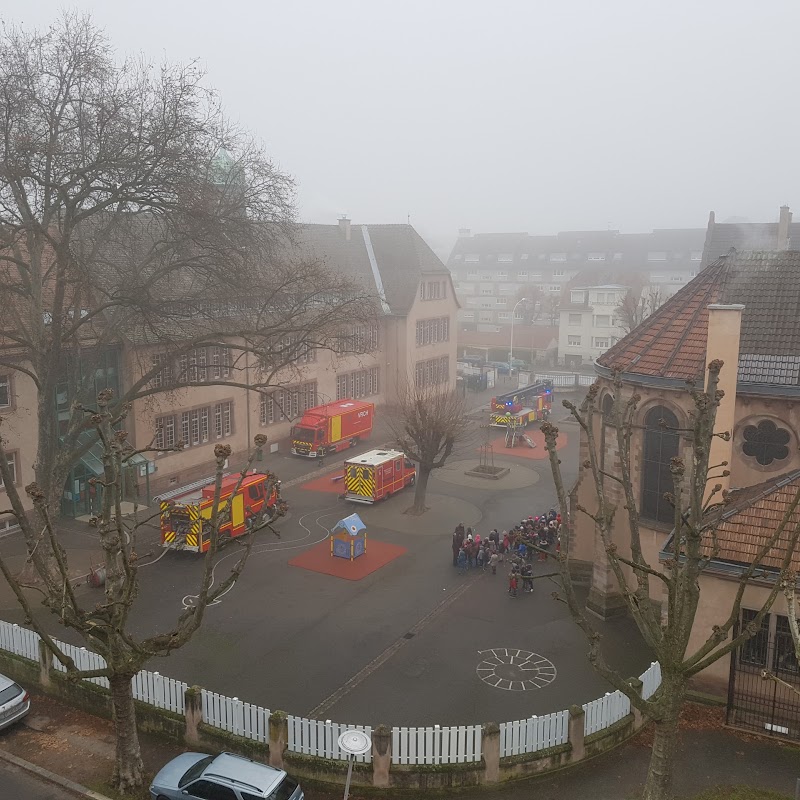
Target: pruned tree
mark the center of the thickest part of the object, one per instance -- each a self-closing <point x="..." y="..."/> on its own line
<point x="789" y="589"/>
<point x="698" y="502"/>
<point x="427" y="422"/>
<point x="637" y="306"/>
<point x="134" y="216"/>
<point x="104" y="625"/>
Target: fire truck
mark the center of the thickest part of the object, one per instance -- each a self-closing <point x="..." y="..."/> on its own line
<point x="332" y="427"/>
<point x="516" y="409"/>
<point x="185" y="519"/>
<point x="376" y="475"/>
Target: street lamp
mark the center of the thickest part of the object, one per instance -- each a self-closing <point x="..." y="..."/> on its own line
<point x="354" y="743"/>
<point x="511" y="351"/>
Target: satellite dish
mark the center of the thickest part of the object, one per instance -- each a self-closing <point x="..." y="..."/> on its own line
<point x="354" y="743"/>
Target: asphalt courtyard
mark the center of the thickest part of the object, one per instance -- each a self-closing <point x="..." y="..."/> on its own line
<point x="410" y="643"/>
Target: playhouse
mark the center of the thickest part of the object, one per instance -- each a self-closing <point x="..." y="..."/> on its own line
<point x="349" y="538"/>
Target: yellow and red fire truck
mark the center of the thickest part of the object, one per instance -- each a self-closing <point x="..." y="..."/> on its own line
<point x="185" y="518"/>
<point x="376" y="475"/>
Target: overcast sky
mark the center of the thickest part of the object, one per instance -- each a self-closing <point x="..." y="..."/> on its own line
<point x="534" y="115"/>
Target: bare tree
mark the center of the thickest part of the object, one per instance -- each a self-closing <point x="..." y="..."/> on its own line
<point x="104" y="626"/>
<point x="427" y="423"/>
<point x="789" y="589"/>
<point x="698" y="503"/>
<point x="637" y="306"/>
<point x="132" y="213"/>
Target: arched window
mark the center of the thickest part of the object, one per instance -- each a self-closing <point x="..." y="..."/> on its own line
<point x="661" y="442"/>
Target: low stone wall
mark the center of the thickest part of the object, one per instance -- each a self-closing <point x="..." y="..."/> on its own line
<point x="190" y="730"/>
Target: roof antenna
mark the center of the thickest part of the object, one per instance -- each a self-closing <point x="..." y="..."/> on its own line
<point x="408" y="219"/>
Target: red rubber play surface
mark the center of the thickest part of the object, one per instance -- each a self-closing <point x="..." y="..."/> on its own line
<point x="319" y="559"/>
<point x="325" y="483"/>
<point x="522" y="450"/>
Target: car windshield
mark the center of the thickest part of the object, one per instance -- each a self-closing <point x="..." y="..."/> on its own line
<point x="9" y="693"/>
<point x="284" y="790"/>
<point x="304" y="435"/>
<point x="195" y="771"/>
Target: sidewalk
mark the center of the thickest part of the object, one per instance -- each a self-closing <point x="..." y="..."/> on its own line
<point x="80" y="748"/>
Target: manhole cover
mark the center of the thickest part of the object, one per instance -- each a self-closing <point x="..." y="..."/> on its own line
<point x="515" y="670"/>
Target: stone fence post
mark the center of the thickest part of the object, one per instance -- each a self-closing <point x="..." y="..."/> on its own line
<point x="193" y="713"/>
<point x="278" y="738"/>
<point x="381" y="755"/>
<point x="45" y="664"/>
<point x="638" y="719"/>
<point x="491" y="752"/>
<point x="576" y="722"/>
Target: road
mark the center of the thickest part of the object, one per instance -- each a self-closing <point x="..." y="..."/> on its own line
<point x="21" y="785"/>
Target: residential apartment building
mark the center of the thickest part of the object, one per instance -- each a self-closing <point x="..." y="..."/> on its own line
<point x="588" y="323"/>
<point x="493" y="271"/>
<point x="413" y="339"/>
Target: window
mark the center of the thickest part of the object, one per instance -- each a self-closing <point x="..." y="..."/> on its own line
<point x="485" y="305"/>
<point x="657" y="256"/>
<point x="522" y="276"/>
<point x="472" y="258"/>
<point x="502" y="276"/>
<point x="355" y="385"/>
<point x="472" y="276"/>
<point x="577" y="297"/>
<point x="597" y="256"/>
<point x="432" y="331"/>
<point x="206" y="790"/>
<point x="5" y="391"/>
<point x="523" y="257"/>
<point x="559" y="273"/>
<point x="165" y="433"/>
<point x="554" y="287"/>
<point x="601" y="341"/>
<point x="602" y="320"/>
<point x="558" y="256"/>
<point x="766" y="442"/>
<point x="505" y="257"/>
<point x="501" y="301"/>
<point x="433" y="290"/>
<point x="661" y="445"/>
<point x="223" y="419"/>
<point x="504" y="315"/>
<point x="784" y="659"/>
<point x="697" y="255"/>
<point x="11" y="457"/>
<point x="754" y="650"/>
<point x="676" y="278"/>
<point x="487" y="291"/>
<point x="575" y="319"/>
<point x="573" y="341"/>
<point x="432" y="372"/>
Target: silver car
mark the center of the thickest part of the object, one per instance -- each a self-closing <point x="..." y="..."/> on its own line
<point x="223" y="777"/>
<point x="14" y="702"/>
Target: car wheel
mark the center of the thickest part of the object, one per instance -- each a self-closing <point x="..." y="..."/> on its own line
<point x="413" y="480"/>
<point x="354" y="442"/>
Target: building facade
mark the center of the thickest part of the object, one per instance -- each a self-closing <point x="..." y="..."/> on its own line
<point x="413" y="340"/>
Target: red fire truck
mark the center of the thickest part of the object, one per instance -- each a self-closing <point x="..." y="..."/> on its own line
<point x="332" y="427"/>
<point x="377" y="475"/>
<point x="185" y="518"/>
<point x="521" y="406"/>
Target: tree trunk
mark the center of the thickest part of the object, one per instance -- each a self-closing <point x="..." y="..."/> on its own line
<point x="421" y="490"/>
<point x="665" y="744"/>
<point x="128" y="769"/>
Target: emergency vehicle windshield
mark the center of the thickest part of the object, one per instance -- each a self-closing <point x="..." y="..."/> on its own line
<point x="303" y="435"/>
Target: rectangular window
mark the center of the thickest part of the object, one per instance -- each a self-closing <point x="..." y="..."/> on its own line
<point x="574" y="341"/>
<point x="601" y="341"/>
<point x="472" y="258"/>
<point x="216" y="363"/>
<point x="504" y="315"/>
<point x="194" y="425"/>
<point x="602" y="320"/>
<point x="204" y="424"/>
<point x="558" y="256"/>
<point x="185" y="429"/>
<point x="226" y="362"/>
<point x="487" y="291"/>
<point x="597" y="256"/>
<point x="192" y="366"/>
<point x="11" y="457"/>
<point x="165" y="433"/>
<point x="523" y="257"/>
<point x="505" y="257"/>
<point x="754" y="650"/>
<point x="559" y="273"/>
<point x="676" y="278"/>
<point x="432" y="372"/>
<point x="784" y="660"/>
<point x="202" y="355"/>
<point x="5" y="391"/>
<point x="658" y="255"/>
<point x="501" y="276"/>
<point x="575" y="319"/>
<point x="501" y="301"/>
<point x="522" y="276"/>
<point x="267" y="410"/>
<point x="164" y="376"/>
<point x="183" y="368"/>
<point x="697" y="255"/>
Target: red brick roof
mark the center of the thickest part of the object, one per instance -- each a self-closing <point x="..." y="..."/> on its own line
<point x="752" y="519"/>
<point x="672" y="342"/>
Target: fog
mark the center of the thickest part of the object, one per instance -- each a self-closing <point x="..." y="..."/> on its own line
<point x="533" y="116"/>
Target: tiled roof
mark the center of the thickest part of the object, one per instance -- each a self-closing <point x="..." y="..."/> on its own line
<point x="672" y="342"/>
<point x="752" y="519"/>
<point x="750" y="236"/>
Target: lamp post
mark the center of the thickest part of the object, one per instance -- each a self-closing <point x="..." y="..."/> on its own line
<point x="511" y="351"/>
<point x="354" y="743"/>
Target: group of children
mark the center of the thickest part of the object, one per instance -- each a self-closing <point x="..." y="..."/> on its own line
<point x="531" y="535"/>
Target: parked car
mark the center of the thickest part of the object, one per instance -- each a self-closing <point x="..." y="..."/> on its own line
<point x="225" y="776"/>
<point x="14" y="702"/>
<point x="504" y="368"/>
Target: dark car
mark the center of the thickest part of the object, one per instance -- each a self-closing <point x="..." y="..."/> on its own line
<point x="222" y="777"/>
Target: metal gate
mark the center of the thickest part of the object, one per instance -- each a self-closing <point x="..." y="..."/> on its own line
<point x="762" y="704"/>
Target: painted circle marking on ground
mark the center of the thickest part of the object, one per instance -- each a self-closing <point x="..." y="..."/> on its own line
<point x="515" y="670"/>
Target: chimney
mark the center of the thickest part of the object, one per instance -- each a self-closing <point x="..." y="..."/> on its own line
<point x="344" y="227"/>
<point x="724" y="328"/>
<point x="784" y="222"/>
<point x="464" y="233"/>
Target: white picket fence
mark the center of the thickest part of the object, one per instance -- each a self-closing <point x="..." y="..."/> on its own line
<point x="651" y="680"/>
<point x="533" y="734"/>
<point x="430" y="745"/>
<point x="605" y="711"/>
<point x="314" y="737"/>
<point x="235" y="716"/>
<point x="20" y="641"/>
<point x="436" y="745"/>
